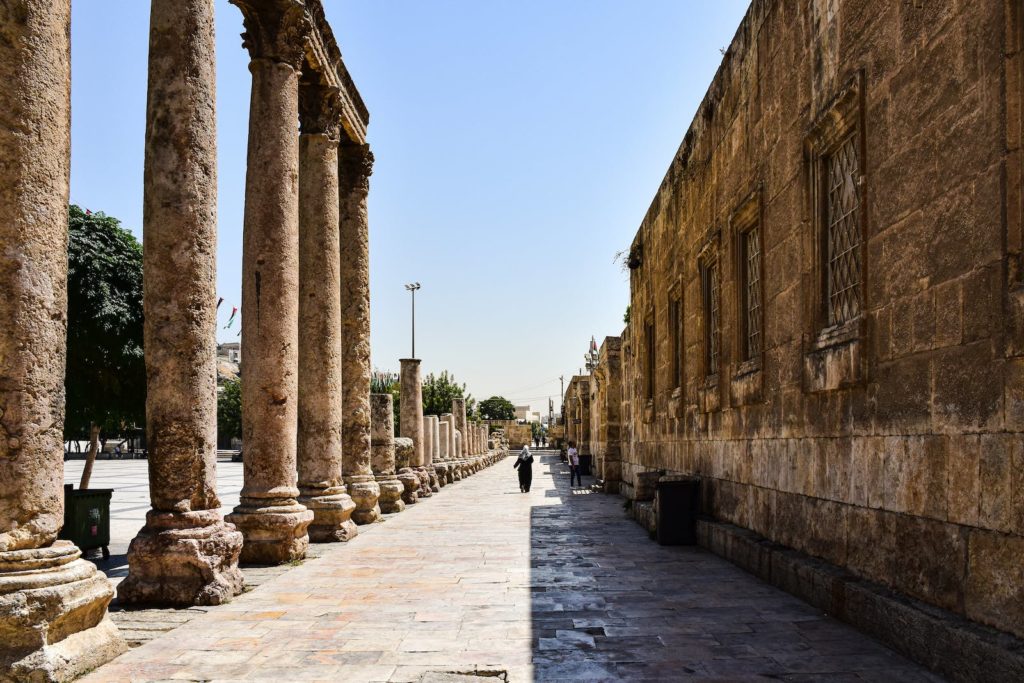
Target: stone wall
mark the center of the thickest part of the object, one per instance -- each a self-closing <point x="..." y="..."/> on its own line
<point x="826" y="313"/>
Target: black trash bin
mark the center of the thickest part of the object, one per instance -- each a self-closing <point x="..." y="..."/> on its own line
<point x="586" y="461"/>
<point x="87" y="518"/>
<point x="678" y="506"/>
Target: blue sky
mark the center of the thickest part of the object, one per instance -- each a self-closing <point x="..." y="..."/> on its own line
<point x="518" y="145"/>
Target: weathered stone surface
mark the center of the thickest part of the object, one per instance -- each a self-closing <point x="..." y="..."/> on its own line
<point x="186" y="554"/>
<point x="382" y="453"/>
<point x="53" y="623"/>
<point x="273" y="522"/>
<point x="53" y="615"/>
<point x="319" y="454"/>
<point x="182" y="559"/>
<point x="355" y="166"/>
<point x="859" y="392"/>
<point x="404" y="453"/>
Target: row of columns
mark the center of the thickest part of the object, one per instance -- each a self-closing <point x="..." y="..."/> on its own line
<point x="308" y="470"/>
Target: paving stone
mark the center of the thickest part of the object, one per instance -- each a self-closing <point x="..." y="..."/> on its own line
<point x="546" y="586"/>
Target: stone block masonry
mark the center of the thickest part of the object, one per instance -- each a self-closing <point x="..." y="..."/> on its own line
<point x="825" y="314"/>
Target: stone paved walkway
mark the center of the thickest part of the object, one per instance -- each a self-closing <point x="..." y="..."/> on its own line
<point x="552" y="585"/>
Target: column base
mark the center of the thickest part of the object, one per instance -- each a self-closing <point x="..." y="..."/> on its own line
<point x="365" y="493"/>
<point x="53" y="615"/>
<point x="411" y="483"/>
<point x="183" y="559"/>
<point x="332" y="514"/>
<point x="441" y="474"/>
<point x="391" y="489"/>
<point x="425" y="490"/>
<point x="274" y="534"/>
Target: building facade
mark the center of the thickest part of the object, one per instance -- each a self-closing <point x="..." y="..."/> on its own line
<point x="827" y="299"/>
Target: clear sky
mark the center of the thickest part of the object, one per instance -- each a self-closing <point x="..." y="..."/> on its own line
<point x="518" y="146"/>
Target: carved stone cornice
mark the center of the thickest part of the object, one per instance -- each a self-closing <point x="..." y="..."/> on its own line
<point x="319" y="110"/>
<point x="355" y="166"/>
<point x="275" y="29"/>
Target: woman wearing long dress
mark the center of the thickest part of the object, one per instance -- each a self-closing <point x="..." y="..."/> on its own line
<point x="524" y="463"/>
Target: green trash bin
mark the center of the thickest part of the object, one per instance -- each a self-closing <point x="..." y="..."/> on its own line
<point x="87" y="518"/>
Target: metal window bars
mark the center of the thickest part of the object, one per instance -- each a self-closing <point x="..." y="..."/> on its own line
<point x="842" y="233"/>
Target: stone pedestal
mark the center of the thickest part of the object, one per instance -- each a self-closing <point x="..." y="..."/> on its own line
<point x="53" y="615"/>
<point x="355" y="164"/>
<point x="404" y="453"/>
<point x="319" y="453"/>
<point x="273" y="522"/>
<point x="382" y="453"/>
<point x="53" y="606"/>
<point x="183" y="558"/>
<point x="185" y="554"/>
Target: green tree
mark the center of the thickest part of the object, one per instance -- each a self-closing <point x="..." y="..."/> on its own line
<point x="536" y="429"/>
<point x="497" y="408"/>
<point x="440" y="390"/>
<point x="105" y="382"/>
<point x="229" y="410"/>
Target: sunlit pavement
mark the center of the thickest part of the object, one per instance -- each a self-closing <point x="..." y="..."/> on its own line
<point x="555" y="584"/>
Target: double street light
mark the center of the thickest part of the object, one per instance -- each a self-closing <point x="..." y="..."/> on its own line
<point x="412" y="287"/>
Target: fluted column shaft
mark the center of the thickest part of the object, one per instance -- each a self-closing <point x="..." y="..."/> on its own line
<point x="47" y="593"/>
<point x="273" y="522"/>
<point x="355" y="163"/>
<point x="185" y="554"/>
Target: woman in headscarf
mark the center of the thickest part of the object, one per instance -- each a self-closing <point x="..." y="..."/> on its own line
<point x="524" y="463"/>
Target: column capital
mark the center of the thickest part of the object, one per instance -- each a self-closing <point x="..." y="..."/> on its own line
<point x="275" y="29"/>
<point x="356" y="165"/>
<point x="319" y="110"/>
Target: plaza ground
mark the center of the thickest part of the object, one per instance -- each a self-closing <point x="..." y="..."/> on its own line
<point x="556" y="584"/>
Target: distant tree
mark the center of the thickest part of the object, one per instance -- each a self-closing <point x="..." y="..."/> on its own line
<point x="625" y="317"/>
<point x="497" y="408"/>
<point x="536" y="430"/>
<point x="105" y="383"/>
<point x="229" y="410"/>
<point x="440" y="390"/>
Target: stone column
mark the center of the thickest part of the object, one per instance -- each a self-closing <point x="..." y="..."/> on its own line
<point x="382" y="450"/>
<point x="273" y="522"/>
<point x="411" y="421"/>
<point x="185" y="554"/>
<point x="53" y="605"/>
<point x="445" y="467"/>
<point x="321" y="488"/>
<point x="462" y="447"/>
<point x="428" y="442"/>
<point x="355" y="164"/>
<point x="438" y="472"/>
<point x="454" y="472"/>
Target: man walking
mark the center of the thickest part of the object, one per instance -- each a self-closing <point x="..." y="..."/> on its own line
<point x="574" y="465"/>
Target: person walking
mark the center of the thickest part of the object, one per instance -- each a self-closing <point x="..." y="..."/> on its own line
<point x="524" y="463"/>
<point x="574" y="465"/>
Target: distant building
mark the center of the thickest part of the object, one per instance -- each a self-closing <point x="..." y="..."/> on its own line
<point x="232" y="351"/>
<point x="525" y="414"/>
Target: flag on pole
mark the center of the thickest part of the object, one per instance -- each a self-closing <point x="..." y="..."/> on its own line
<point x="219" y="302"/>
<point x="231" y="320"/>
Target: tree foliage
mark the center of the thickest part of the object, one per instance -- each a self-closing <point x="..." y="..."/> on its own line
<point x="229" y="410"/>
<point x="497" y="408"/>
<point x="440" y="390"/>
<point x="105" y="381"/>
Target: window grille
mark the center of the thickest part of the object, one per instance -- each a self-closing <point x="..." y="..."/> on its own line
<point x="752" y="292"/>
<point x="843" y="235"/>
<point x="711" y="319"/>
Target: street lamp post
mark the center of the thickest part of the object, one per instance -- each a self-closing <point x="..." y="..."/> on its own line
<point x="412" y="287"/>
